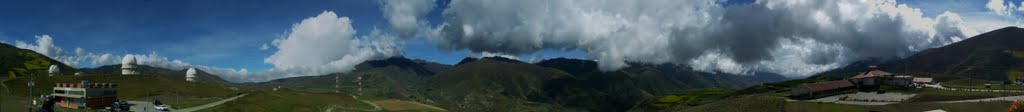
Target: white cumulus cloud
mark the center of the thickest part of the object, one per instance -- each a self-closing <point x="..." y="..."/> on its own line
<point x="1005" y="8"/>
<point x="325" y="44"/>
<point x="78" y="58"/>
<point x="405" y="15"/>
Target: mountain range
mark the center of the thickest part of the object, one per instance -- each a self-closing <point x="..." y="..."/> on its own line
<point x="563" y="84"/>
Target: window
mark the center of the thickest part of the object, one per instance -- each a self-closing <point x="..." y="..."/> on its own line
<point x="109" y="92"/>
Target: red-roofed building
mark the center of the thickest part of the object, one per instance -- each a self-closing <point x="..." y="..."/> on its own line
<point x="871" y="77"/>
<point x="820" y="89"/>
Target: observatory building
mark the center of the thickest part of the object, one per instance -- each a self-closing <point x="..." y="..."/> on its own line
<point x="190" y="75"/>
<point x="129" y="66"/>
<point x="54" y="70"/>
<point x="85" y="95"/>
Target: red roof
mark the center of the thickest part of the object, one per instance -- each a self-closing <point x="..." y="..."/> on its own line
<point x="830" y="85"/>
<point x="872" y="73"/>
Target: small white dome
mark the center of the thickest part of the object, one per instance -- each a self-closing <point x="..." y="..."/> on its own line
<point x="54" y="69"/>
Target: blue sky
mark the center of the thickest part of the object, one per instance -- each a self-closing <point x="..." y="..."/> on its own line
<point x="230" y="33"/>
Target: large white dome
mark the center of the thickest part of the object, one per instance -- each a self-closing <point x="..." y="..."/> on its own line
<point x="128" y="61"/>
<point x="190" y="75"/>
<point x="191" y="72"/>
<point x="54" y="69"/>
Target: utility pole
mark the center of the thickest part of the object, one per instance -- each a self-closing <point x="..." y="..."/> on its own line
<point x="337" y="83"/>
<point x="359" y="81"/>
<point x="31" y="86"/>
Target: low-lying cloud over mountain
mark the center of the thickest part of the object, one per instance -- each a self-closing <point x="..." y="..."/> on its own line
<point x="791" y="37"/>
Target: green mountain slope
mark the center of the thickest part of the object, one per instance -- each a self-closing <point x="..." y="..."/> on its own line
<point x="397" y="78"/>
<point x="496" y="84"/>
<point x="997" y="55"/>
<point x="18" y="62"/>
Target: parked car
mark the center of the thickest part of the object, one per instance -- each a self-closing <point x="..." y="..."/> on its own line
<point x="161" y="106"/>
<point x="120" y="106"/>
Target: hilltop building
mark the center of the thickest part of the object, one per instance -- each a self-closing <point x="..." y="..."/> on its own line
<point x="869" y="80"/>
<point x="190" y="75"/>
<point x="922" y="80"/>
<point x="873" y="78"/>
<point x="85" y="95"/>
<point x="129" y="66"/>
<point x="54" y="70"/>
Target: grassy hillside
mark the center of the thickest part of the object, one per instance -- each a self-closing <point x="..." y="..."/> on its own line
<point x="396" y="78"/>
<point x="495" y="84"/>
<point x="20" y="62"/>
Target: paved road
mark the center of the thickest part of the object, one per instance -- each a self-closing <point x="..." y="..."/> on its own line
<point x="1008" y="98"/>
<point x="894" y="98"/>
<point x="145" y="106"/>
<point x="939" y="86"/>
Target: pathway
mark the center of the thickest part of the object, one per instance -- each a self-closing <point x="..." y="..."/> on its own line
<point x="1008" y="98"/>
<point x="209" y="105"/>
<point x="862" y="98"/>
<point x="939" y="86"/>
<point x="145" y="106"/>
<point x="375" y="106"/>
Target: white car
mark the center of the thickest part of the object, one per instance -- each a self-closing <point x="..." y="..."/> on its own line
<point x="162" y="107"/>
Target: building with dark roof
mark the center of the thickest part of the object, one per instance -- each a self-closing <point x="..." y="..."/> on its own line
<point x="821" y="89"/>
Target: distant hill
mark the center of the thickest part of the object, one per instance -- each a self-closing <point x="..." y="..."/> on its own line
<point x="996" y="55"/>
<point x="18" y="62"/>
<point x="495" y="83"/>
<point x="149" y="70"/>
<point x="395" y="77"/>
<point x="668" y="75"/>
<point x="628" y="86"/>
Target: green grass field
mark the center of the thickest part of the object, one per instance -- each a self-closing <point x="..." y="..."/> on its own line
<point x="399" y="105"/>
<point x="285" y="100"/>
<point x="753" y="103"/>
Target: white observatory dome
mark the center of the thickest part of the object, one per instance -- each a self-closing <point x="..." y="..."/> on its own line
<point x="190" y="75"/>
<point x="128" y="62"/>
<point x="54" y="70"/>
<point x="128" y="65"/>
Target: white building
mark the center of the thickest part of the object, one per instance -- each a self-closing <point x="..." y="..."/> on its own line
<point x="129" y="65"/>
<point x="190" y="75"/>
<point x="54" y="70"/>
